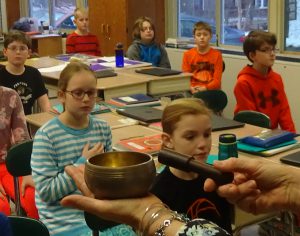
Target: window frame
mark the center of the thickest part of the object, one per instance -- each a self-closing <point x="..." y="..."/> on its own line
<point x="275" y="22"/>
<point x="25" y="9"/>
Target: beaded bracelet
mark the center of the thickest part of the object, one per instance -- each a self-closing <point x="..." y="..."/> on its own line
<point x="175" y="216"/>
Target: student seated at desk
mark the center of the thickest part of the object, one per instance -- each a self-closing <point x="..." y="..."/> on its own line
<point x="69" y="139"/>
<point x="13" y="130"/>
<point x="187" y="128"/>
<point x="204" y="62"/>
<point x="258" y="87"/>
<point x="26" y="80"/>
<point x="81" y="40"/>
<point x="144" y="48"/>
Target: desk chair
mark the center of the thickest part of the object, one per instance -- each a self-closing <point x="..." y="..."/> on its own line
<point x="18" y="164"/>
<point x="216" y="100"/>
<point x="253" y="118"/>
<point x="27" y="226"/>
<point x="97" y="224"/>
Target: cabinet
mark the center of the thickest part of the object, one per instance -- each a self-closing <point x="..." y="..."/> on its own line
<point x="112" y="21"/>
<point x="47" y="44"/>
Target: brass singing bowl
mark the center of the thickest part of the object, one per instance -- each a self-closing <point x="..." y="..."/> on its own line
<point x="114" y="175"/>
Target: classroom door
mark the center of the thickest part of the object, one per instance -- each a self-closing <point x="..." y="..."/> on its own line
<point x="112" y="20"/>
<point x="108" y="22"/>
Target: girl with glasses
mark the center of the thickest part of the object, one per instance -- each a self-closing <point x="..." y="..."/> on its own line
<point x="69" y="139"/>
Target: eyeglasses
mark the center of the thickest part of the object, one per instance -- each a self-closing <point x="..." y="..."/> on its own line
<point x="269" y="50"/>
<point x="15" y="48"/>
<point x="79" y="94"/>
<point x="147" y="28"/>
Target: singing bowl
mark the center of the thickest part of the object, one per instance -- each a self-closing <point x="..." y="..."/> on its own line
<point x="114" y="175"/>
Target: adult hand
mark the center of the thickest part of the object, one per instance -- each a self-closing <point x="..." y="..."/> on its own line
<point x="77" y="174"/>
<point x="259" y="186"/>
<point x="128" y="211"/>
<point x="88" y="152"/>
<point x="26" y="181"/>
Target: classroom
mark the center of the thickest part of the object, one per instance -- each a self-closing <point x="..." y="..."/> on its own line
<point x="95" y="32"/>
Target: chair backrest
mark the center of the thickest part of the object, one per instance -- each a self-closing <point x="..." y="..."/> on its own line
<point x="216" y="100"/>
<point x="18" y="164"/>
<point x="253" y="118"/>
<point x="18" y="159"/>
<point x="27" y="226"/>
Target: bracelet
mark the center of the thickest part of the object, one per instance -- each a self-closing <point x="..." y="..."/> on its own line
<point x="155" y="216"/>
<point x="159" y="205"/>
<point x="175" y="216"/>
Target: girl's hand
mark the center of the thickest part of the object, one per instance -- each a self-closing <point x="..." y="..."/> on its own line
<point x="2" y="192"/>
<point x="88" y="152"/>
<point x="26" y="181"/>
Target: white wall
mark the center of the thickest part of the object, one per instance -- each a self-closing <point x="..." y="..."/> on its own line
<point x="290" y="72"/>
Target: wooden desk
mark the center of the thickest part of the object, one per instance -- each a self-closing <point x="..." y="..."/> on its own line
<point x="115" y="121"/>
<point x="47" y="44"/>
<point x="162" y="85"/>
<point x="132" y="131"/>
<point x="120" y="85"/>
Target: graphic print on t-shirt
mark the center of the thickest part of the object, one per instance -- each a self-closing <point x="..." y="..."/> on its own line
<point x="24" y="91"/>
<point x="203" y="71"/>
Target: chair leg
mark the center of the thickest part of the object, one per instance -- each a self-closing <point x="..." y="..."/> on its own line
<point x="17" y="196"/>
<point x="95" y="233"/>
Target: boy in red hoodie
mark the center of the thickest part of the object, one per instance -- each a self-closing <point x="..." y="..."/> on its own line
<point x="258" y="87"/>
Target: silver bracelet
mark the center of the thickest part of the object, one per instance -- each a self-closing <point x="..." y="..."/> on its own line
<point x="175" y="216"/>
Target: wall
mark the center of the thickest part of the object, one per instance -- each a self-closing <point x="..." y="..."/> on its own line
<point x="290" y="72"/>
<point x="12" y="12"/>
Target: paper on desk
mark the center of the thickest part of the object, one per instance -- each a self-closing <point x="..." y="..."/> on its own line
<point x="108" y="59"/>
<point x="53" y="68"/>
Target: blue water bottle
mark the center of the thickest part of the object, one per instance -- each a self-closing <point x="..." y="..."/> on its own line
<point x="227" y="146"/>
<point x="119" y="55"/>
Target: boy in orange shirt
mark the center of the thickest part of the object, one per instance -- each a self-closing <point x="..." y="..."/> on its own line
<point x="204" y="62"/>
<point x="258" y="87"/>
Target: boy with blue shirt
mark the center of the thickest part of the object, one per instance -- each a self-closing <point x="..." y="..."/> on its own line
<point x="144" y="48"/>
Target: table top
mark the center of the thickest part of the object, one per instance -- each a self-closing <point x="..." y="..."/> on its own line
<point x="131" y="72"/>
<point x="113" y="119"/>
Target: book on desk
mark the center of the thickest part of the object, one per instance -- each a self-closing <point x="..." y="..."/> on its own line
<point x="144" y="114"/>
<point x="134" y="100"/>
<point x="146" y="144"/>
<point x="268" y="142"/>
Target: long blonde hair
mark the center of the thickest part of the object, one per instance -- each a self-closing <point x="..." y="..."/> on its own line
<point x="180" y="107"/>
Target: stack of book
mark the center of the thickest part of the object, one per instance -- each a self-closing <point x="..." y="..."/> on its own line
<point x="134" y="100"/>
<point x="268" y="142"/>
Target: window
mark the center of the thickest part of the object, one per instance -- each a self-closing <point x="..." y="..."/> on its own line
<point x="57" y="13"/>
<point x="238" y="17"/>
<point x="292" y="25"/>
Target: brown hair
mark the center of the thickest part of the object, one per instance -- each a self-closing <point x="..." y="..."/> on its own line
<point x="255" y="39"/>
<point x="79" y="9"/>
<point x="18" y="36"/>
<point x="138" y="26"/>
<point x="202" y="26"/>
<point x="67" y="73"/>
<point x="174" y="111"/>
